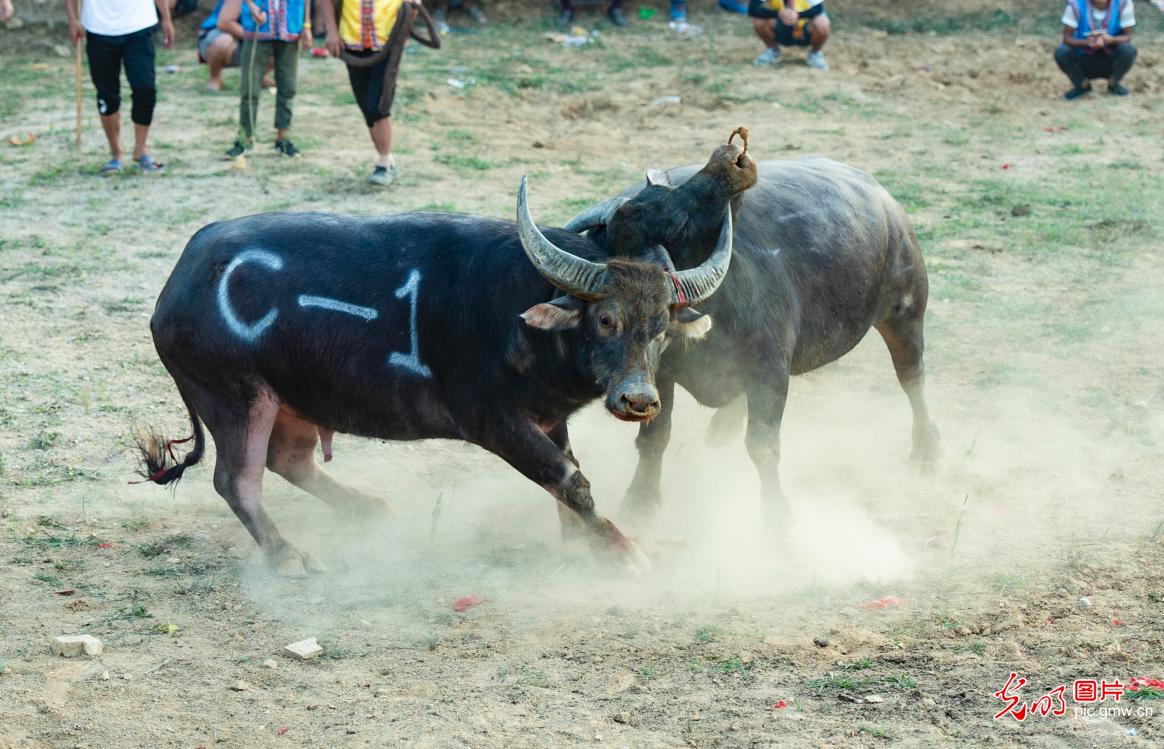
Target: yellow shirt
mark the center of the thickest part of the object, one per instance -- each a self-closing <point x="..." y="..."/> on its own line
<point x="366" y="24"/>
<point x="799" y="6"/>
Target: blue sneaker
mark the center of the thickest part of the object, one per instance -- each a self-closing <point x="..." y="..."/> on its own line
<point x="734" y="6"/>
<point x="679" y="12"/>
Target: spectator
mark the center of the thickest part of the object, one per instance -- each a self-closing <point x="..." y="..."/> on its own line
<point x="118" y="32"/>
<point x="370" y="38"/>
<point x="271" y="31"/>
<point x="217" y="48"/>
<point x="442" y="8"/>
<point x="791" y="23"/>
<point x="1097" y="43"/>
<point x="613" y="12"/>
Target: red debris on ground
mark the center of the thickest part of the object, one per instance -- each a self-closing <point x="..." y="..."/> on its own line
<point x="1006" y="165"/>
<point x="467" y="602"/>
<point x="888" y="602"/>
<point x="1115" y="622"/>
<point x="282" y="730"/>
<point x="104" y="545"/>
<point x="780" y="705"/>
<point x="1143" y="682"/>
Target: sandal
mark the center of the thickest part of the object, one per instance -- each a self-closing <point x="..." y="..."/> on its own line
<point x="148" y="166"/>
<point x="113" y="166"/>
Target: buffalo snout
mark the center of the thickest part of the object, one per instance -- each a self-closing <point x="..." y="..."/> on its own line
<point x="637" y="403"/>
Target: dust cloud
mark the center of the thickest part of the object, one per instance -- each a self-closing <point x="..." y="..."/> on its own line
<point x="1038" y="464"/>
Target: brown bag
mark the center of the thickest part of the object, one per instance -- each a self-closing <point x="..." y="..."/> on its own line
<point x="393" y="49"/>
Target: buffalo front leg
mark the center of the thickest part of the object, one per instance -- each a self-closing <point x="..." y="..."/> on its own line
<point x="644" y="496"/>
<point x="906" y="343"/>
<point x="573" y="529"/>
<point x="765" y="413"/>
<point x="238" y="477"/>
<point x="534" y="454"/>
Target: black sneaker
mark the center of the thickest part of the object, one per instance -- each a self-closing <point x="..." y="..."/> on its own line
<point x="238" y="149"/>
<point x="617" y="17"/>
<point x="287" y="148"/>
<point x="566" y="18"/>
<point x="1116" y="89"/>
<point x="1076" y="93"/>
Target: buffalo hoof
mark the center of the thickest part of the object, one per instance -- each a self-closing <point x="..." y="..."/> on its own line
<point x="289" y="562"/>
<point x="926" y="457"/>
<point x="632" y="558"/>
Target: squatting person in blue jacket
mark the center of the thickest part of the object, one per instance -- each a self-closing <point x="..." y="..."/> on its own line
<point x="1097" y="43"/>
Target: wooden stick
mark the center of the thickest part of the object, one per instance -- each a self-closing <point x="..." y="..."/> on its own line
<point x="77" y="71"/>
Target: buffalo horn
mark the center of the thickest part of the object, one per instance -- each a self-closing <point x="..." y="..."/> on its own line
<point x="576" y="276"/>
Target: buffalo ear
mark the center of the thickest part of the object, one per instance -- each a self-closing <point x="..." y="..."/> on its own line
<point x="690" y="324"/>
<point x="658" y="177"/>
<point x="562" y="313"/>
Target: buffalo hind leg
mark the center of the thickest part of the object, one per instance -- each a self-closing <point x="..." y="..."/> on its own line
<point x="291" y="454"/>
<point x="906" y="343"/>
<point x="238" y="477"/>
<point x="765" y="414"/>
<point x="727" y="422"/>
<point x="533" y="453"/>
<point x="644" y="496"/>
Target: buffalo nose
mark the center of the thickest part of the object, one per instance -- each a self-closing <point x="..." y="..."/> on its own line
<point x="640" y="403"/>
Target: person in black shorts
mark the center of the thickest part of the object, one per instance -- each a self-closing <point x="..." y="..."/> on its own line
<point x="791" y="23"/>
<point x="370" y="37"/>
<point x="117" y="32"/>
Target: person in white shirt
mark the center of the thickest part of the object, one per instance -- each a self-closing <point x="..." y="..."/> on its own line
<point x="117" y="32"/>
<point x="1097" y="43"/>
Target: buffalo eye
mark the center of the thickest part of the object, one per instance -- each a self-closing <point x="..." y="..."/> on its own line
<point x="606" y="321"/>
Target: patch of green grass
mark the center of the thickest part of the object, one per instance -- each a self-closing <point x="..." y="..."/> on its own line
<point x="859" y="665"/>
<point x="649" y="672"/>
<point x="164" y="545"/>
<point x="47" y="579"/>
<point x="48" y="521"/>
<point x="464" y="161"/>
<point x="44" y="541"/>
<point x="130" y="613"/>
<point x="902" y="682"/>
<point x="735" y="665"/>
<point x="1145" y="693"/>
<point x="705" y="635"/>
<point x="843" y="683"/>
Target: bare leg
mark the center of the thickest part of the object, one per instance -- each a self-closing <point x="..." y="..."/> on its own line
<point x="644" y="496"/>
<point x="381" y="132"/>
<point x="291" y="454"/>
<point x="218" y="57"/>
<point x="111" y="124"/>
<point x="906" y="343"/>
<point x="765" y="28"/>
<point x="141" y="134"/>
<point x="821" y="27"/>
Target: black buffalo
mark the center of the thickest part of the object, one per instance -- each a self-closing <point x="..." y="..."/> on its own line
<point x="281" y="329"/>
<point x="822" y="253"/>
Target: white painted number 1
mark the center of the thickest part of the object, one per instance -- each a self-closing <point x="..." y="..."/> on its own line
<point x="411" y="361"/>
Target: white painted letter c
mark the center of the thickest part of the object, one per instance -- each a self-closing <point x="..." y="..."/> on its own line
<point x="241" y="329"/>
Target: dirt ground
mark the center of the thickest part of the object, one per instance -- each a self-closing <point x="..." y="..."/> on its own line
<point x="1037" y="548"/>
